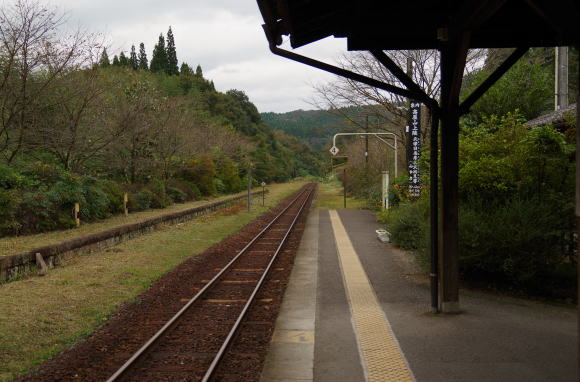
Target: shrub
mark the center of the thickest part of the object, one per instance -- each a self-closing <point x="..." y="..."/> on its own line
<point x="176" y="194"/>
<point x="141" y="200"/>
<point x="9" y="203"/>
<point x="159" y="198"/>
<point x="9" y="178"/>
<point x="517" y="244"/>
<point x="202" y="172"/>
<point x="184" y="187"/>
<point x="114" y="194"/>
<point x="408" y="225"/>
<point x="219" y="186"/>
<point x="193" y="189"/>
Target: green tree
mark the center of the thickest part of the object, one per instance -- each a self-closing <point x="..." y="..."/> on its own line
<point x="159" y="61"/>
<point x="116" y="61"/>
<point x="143" y="61"/>
<point x="528" y="87"/>
<point x="186" y="69"/>
<point x="104" y="61"/>
<point x="198" y="71"/>
<point x="133" y="61"/>
<point x="172" y="68"/>
<point x="123" y="60"/>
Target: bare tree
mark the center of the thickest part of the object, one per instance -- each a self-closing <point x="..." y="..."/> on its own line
<point x="34" y="53"/>
<point x="390" y="109"/>
<point x="72" y="127"/>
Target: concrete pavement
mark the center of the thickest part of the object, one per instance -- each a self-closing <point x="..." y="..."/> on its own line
<point x="494" y="339"/>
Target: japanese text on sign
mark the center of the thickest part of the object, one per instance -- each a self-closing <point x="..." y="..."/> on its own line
<point x="414" y="148"/>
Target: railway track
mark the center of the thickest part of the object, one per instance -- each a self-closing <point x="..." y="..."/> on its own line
<point x="192" y="343"/>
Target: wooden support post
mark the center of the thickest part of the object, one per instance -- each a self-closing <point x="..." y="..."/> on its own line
<point x="76" y="213"/>
<point x="41" y="265"/>
<point x="434" y="207"/>
<point x="453" y="58"/>
<point x="125" y="202"/>
<point x="578" y="194"/>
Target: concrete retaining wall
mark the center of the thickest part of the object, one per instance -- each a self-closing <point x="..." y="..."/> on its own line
<point x="22" y="264"/>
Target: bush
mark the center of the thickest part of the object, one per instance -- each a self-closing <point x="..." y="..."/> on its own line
<point x="176" y="195"/>
<point x="219" y="186"/>
<point x="9" y="178"/>
<point x="141" y="200"/>
<point x="96" y="204"/>
<point x="202" y="172"/>
<point x="185" y="188"/>
<point x="9" y="204"/>
<point x="193" y="189"/>
<point x="159" y="199"/>
<point x="115" y="195"/>
<point x="408" y="225"/>
<point x="517" y="244"/>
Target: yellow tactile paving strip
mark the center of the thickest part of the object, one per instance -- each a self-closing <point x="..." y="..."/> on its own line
<point x="380" y="352"/>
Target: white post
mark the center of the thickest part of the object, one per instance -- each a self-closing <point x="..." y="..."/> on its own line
<point x="386" y="182"/>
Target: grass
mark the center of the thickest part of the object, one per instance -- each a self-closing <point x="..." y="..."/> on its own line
<point x="330" y="197"/>
<point x="40" y="316"/>
<point x="17" y="244"/>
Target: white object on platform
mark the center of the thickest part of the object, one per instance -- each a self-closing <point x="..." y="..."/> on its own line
<point x="383" y="235"/>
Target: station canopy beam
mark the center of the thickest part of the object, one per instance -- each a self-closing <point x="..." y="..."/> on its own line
<point x="450" y="26"/>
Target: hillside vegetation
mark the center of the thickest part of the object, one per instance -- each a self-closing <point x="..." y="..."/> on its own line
<point x="79" y="127"/>
<point x="315" y="127"/>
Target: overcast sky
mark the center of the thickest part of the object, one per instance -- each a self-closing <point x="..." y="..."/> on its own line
<point x="224" y="36"/>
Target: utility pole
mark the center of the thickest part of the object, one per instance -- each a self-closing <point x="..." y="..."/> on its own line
<point x="561" y="81"/>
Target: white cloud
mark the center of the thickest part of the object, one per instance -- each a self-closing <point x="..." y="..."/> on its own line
<point x="224" y="36"/>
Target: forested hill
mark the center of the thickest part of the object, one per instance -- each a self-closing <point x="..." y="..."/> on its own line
<point x="79" y="131"/>
<point x="313" y="126"/>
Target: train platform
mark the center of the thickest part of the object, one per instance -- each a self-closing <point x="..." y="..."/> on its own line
<point x="357" y="309"/>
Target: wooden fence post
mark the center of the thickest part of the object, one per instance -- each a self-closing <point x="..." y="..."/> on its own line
<point x="125" y="201"/>
<point x="77" y="210"/>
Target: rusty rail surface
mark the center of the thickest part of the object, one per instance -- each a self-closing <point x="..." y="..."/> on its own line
<point x="129" y="367"/>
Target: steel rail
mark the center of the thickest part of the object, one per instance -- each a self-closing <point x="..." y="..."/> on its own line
<point x="137" y="355"/>
<point x="228" y="340"/>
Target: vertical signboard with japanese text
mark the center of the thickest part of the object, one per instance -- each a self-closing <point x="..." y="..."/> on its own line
<point x="414" y="148"/>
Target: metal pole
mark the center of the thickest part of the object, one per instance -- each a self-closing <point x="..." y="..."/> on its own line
<point x="561" y="82"/>
<point x="263" y="196"/>
<point x="434" y="175"/>
<point x="367" y="144"/>
<point x="249" y="188"/>
<point x="577" y="212"/>
<point x="396" y="158"/>
<point x="331" y="166"/>
<point x="344" y="185"/>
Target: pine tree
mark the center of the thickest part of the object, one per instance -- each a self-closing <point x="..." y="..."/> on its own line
<point x="133" y="61"/>
<point x="159" y="59"/>
<point x="123" y="60"/>
<point x="172" y="68"/>
<point x="185" y="70"/>
<point x="198" y="71"/>
<point x="116" y="61"/>
<point x="143" y="61"/>
<point x="104" y="61"/>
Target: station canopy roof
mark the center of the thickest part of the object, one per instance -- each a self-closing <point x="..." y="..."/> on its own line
<point x="423" y="24"/>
